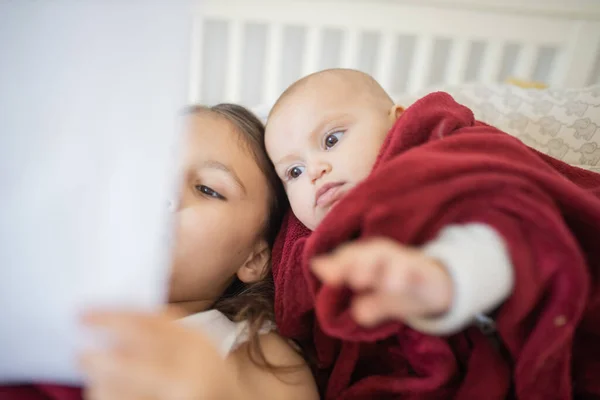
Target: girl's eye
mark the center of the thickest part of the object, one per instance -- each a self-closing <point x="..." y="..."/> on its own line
<point x="295" y="172"/>
<point x="332" y="139"/>
<point x="205" y="190"/>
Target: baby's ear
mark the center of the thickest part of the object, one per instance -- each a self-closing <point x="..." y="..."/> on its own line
<point x="256" y="264"/>
<point x="395" y="112"/>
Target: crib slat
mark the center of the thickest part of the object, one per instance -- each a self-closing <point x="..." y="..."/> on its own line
<point x="457" y="66"/>
<point x="350" y="49"/>
<point x="421" y="64"/>
<point x="234" y="62"/>
<point x="492" y="62"/>
<point x="196" y="61"/>
<point x="385" y="59"/>
<point x="526" y="60"/>
<point x="312" y="50"/>
<point x="273" y="64"/>
<point x="575" y="62"/>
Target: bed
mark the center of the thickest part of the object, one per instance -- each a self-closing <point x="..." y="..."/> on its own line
<point x="249" y="51"/>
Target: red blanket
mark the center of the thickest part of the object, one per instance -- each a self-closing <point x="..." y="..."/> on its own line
<point x="439" y="166"/>
<point x="40" y="392"/>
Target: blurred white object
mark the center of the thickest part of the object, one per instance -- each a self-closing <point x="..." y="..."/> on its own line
<point x="91" y="94"/>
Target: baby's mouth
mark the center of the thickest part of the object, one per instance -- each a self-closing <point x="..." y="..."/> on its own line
<point x="329" y="194"/>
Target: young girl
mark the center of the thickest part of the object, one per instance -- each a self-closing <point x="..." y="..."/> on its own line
<point x="221" y="290"/>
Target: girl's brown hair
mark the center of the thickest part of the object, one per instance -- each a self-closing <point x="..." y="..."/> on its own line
<point x="253" y="302"/>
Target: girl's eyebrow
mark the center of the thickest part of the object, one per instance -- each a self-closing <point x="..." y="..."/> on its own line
<point x="214" y="164"/>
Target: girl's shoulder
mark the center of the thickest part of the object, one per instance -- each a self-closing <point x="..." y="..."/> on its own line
<point x="227" y="335"/>
<point x="291" y="378"/>
<point x="288" y="376"/>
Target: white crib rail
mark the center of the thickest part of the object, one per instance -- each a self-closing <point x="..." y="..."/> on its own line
<point x="312" y="50"/>
<point x="350" y="49"/>
<point x="492" y="61"/>
<point x="579" y="55"/>
<point x="234" y="61"/>
<point x="384" y="61"/>
<point x="457" y="66"/>
<point x="575" y="43"/>
<point x="273" y="62"/>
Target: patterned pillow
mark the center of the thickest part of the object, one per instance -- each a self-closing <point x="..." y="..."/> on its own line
<point x="562" y="123"/>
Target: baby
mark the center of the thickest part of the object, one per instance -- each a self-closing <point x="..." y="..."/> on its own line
<point x="427" y="218"/>
<point x="323" y="136"/>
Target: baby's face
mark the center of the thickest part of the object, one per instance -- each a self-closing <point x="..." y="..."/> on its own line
<point x="323" y="141"/>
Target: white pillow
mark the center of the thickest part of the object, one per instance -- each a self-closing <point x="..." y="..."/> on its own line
<point x="562" y="123"/>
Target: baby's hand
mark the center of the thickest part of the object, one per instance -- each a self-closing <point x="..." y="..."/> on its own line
<point x="153" y="357"/>
<point x="393" y="282"/>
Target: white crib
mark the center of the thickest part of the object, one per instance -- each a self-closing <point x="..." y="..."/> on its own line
<point x="248" y="51"/>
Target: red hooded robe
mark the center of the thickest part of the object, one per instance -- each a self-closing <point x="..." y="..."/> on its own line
<point x="437" y="167"/>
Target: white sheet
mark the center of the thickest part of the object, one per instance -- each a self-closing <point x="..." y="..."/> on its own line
<point x="90" y="96"/>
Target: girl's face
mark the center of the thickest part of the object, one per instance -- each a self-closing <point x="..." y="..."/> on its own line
<point x="219" y="222"/>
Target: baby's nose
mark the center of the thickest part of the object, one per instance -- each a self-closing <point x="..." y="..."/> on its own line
<point x="318" y="169"/>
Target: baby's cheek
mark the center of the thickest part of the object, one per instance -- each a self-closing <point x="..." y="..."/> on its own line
<point x="302" y="204"/>
<point x="363" y="165"/>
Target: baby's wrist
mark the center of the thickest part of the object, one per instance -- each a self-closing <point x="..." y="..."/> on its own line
<point x="442" y="290"/>
<point x="481" y="273"/>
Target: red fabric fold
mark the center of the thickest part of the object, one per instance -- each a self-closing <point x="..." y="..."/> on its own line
<point x="40" y="392"/>
<point x="438" y="166"/>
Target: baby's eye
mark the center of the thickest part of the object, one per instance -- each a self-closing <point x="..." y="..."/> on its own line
<point x="205" y="190"/>
<point x="294" y="172"/>
<point x="332" y="139"/>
